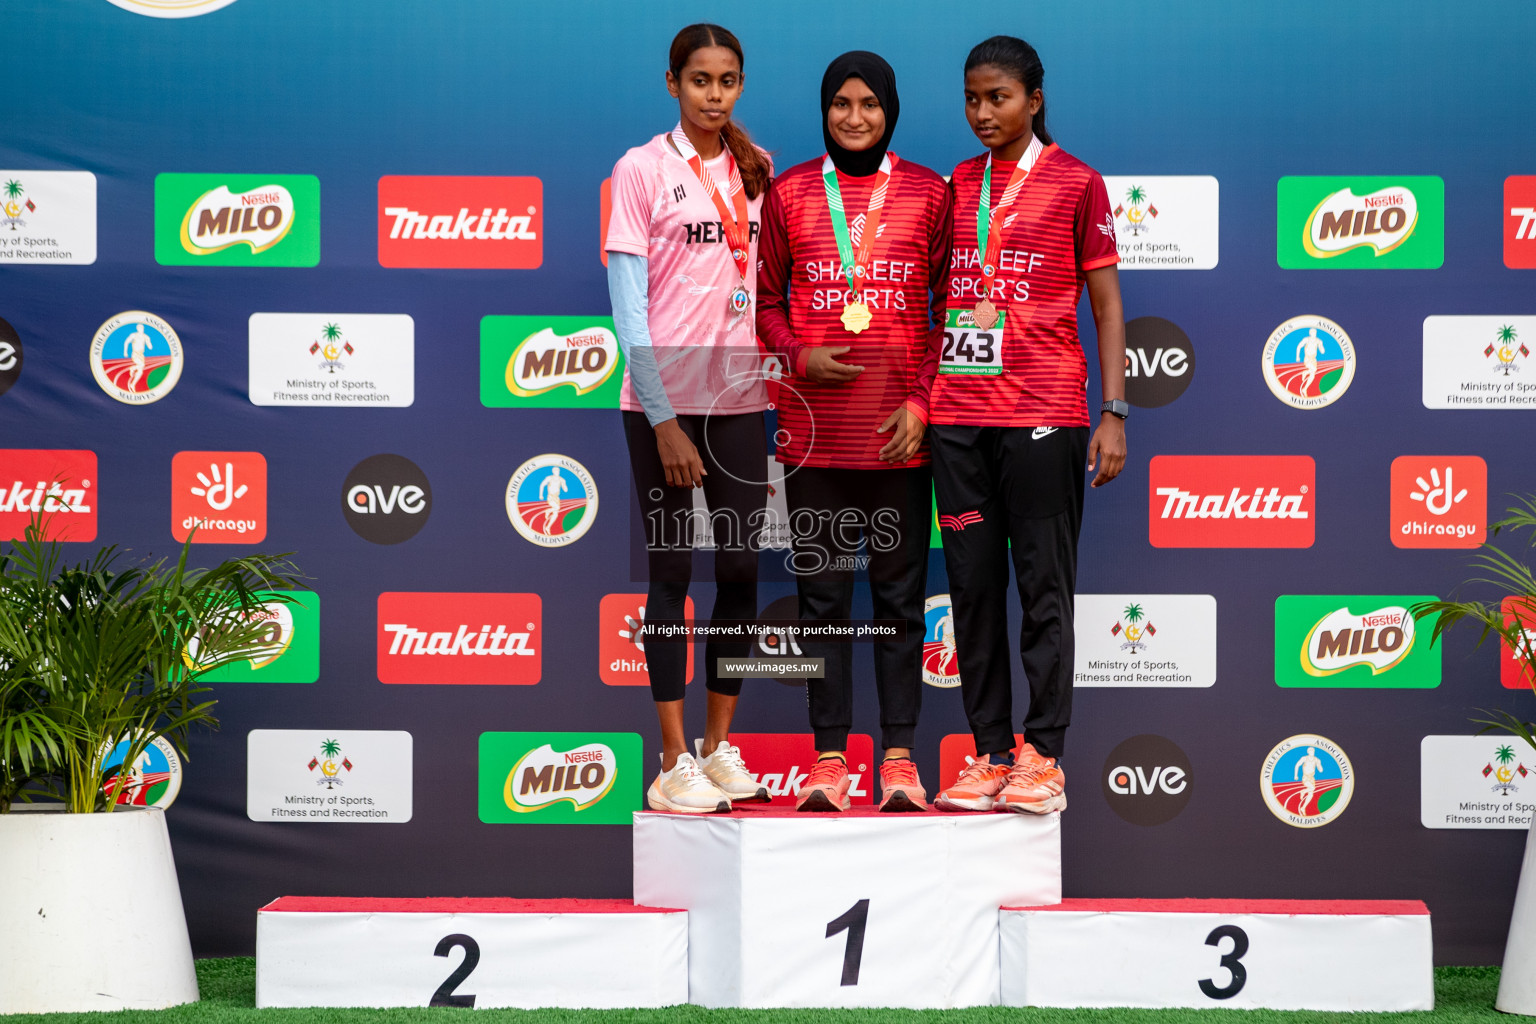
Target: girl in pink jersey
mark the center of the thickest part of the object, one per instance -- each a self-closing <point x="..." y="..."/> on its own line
<point x="682" y="275"/>
<point x="1009" y="424"/>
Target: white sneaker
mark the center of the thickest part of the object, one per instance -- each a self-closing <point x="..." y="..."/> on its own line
<point x="728" y="772"/>
<point x="686" y="789"/>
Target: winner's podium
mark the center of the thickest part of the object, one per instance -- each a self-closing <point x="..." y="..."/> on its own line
<point x="852" y="909"/>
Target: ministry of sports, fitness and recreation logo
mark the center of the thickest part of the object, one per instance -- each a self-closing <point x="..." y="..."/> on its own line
<point x="559" y="778"/>
<point x="152" y="780"/>
<point x="1134" y="630"/>
<point x="941" y="663"/>
<point x="237" y="220"/>
<point x="1506" y="352"/>
<point x="386" y="499"/>
<point x="1159" y="362"/>
<point x="1307" y="780"/>
<point x="549" y="362"/>
<point x="1505" y="771"/>
<point x="1308" y="362"/>
<point x="1147" y="780"/>
<point x="288" y="650"/>
<point x="552" y="500"/>
<point x="170" y="8"/>
<point x="1360" y="223"/>
<point x="10" y="356"/>
<point x="332" y="763"/>
<point x="136" y="357"/>
<point x="1353" y="641"/>
<point x="1478" y="362"/>
<point x="47" y="217"/>
<point x="1136" y="213"/>
<point x="332" y="360"/>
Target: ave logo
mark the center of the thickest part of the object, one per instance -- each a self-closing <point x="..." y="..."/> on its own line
<point x="1159" y="362"/>
<point x="460" y="639"/>
<point x="386" y="499"/>
<point x="222" y="496"/>
<point x="469" y="223"/>
<point x="621" y="657"/>
<point x="1439" y="501"/>
<point x="59" y="485"/>
<point x="10" y="356"/>
<point x="1231" y="501"/>
<point x="559" y="778"/>
<point x="1147" y="780"/>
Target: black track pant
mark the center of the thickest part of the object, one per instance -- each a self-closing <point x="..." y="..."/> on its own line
<point x="1007" y="485"/>
<point x="734" y="452"/>
<point x="836" y="515"/>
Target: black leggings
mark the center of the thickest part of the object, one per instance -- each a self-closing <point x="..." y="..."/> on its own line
<point x="734" y="451"/>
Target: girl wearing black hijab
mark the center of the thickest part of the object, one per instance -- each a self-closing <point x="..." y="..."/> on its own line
<point x="854" y="255"/>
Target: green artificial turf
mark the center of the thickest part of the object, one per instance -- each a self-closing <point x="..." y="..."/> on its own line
<point x="1462" y="994"/>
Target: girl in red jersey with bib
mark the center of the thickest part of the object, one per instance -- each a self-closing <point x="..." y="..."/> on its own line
<point x="682" y="259"/>
<point x="1009" y="421"/>
<point x="854" y="255"/>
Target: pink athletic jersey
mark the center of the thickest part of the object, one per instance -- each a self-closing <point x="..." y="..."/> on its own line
<point x="707" y="354"/>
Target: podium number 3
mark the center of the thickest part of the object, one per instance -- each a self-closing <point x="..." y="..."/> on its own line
<point x="852" y="921"/>
<point x="1231" y="960"/>
<point x="444" y="995"/>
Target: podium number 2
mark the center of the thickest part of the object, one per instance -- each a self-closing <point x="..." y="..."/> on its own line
<point x="1231" y="960"/>
<point x="444" y="995"/>
<point x="852" y="921"/>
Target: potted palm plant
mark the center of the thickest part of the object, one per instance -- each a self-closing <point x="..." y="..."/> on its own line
<point x="97" y="661"/>
<point x="1513" y="620"/>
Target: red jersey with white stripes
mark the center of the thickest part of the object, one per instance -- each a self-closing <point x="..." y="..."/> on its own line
<point x="801" y="291"/>
<point x="1058" y="229"/>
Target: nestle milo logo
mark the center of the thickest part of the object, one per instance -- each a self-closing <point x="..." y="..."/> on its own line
<point x="237" y="220"/>
<point x="559" y="777"/>
<point x="1360" y="223"/>
<point x="549" y="362"/>
<point x="1353" y="641"/>
<point x="544" y="361"/>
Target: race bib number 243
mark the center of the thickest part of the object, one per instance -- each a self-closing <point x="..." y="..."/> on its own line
<point x="970" y="350"/>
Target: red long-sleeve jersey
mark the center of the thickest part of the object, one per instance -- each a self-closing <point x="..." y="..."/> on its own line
<point x="801" y="291"/>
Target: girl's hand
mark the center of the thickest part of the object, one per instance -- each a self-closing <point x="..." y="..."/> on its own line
<point x="822" y="367"/>
<point x="679" y="458"/>
<point x="1107" y="449"/>
<point x="906" y="438"/>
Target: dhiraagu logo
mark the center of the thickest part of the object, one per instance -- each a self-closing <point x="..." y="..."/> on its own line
<point x="288" y="651"/>
<point x="559" y="778"/>
<point x="237" y="220"/>
<point x="549" y="362"/>
<point x="1353" y="642"/>
<point x="1364" y="223"/>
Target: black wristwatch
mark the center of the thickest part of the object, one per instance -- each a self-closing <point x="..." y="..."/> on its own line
<point x="1116" y="407"/>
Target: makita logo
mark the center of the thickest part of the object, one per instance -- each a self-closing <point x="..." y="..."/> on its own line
<point x="57" y="485"/>
<point x="780" y="763"/>
<point x="1223" y="501"/>
<point x="461" y="222"/>
<point x="465" y="641"/>
<point x="459" y="638"/>
<point x="1184" y="505"/>
<point x="788" y="783"/>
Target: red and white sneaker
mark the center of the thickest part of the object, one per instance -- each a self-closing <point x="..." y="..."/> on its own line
<point x="976" y="789"/>
<point x="900" y="788"/>
<point x="1035" y="784"/>
<point x="826" y="787"/>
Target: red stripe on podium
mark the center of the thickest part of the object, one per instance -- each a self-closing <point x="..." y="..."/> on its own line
<point x="1229" y="907"/>
<point x="453" y="905"/>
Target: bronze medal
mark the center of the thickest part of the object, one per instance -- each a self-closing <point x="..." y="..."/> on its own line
<point x="985" y="314"/>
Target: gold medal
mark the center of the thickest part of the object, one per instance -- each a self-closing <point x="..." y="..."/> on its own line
<point x="985" y="314"/>
<point x="856" y="317"/>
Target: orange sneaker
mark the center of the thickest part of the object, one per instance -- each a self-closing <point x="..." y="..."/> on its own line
<point x="826" y="787"/>
<point x="975" y="789"/>
<point x="900" y="788"/>
<point x="1035" y="785"/>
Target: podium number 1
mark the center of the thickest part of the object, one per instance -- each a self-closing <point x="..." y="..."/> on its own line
<point x="444" y="995"/>
<point x="852" y="921"/>
<point x="1231" y="960"/>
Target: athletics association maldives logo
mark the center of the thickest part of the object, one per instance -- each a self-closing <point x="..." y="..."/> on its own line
<point x="1307" y="780"/>
<point x="1308" y="362"/>
<point x="552" y="500"/>
<point x="941" y="664"/>
<point x="152" y="780"/>
<point x="170" y="8"/>
<point x="136" y="357"/>
<point x="1231" y="501"/>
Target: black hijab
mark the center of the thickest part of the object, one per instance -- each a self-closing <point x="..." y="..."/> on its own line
<point x="877" y="74"/>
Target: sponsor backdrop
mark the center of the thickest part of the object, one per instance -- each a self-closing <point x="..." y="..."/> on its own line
<point x="327" y="279"/>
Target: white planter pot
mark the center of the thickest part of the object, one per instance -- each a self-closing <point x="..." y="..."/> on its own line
<point x="90" y="913"/>
<point x="1517" y="981"/>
